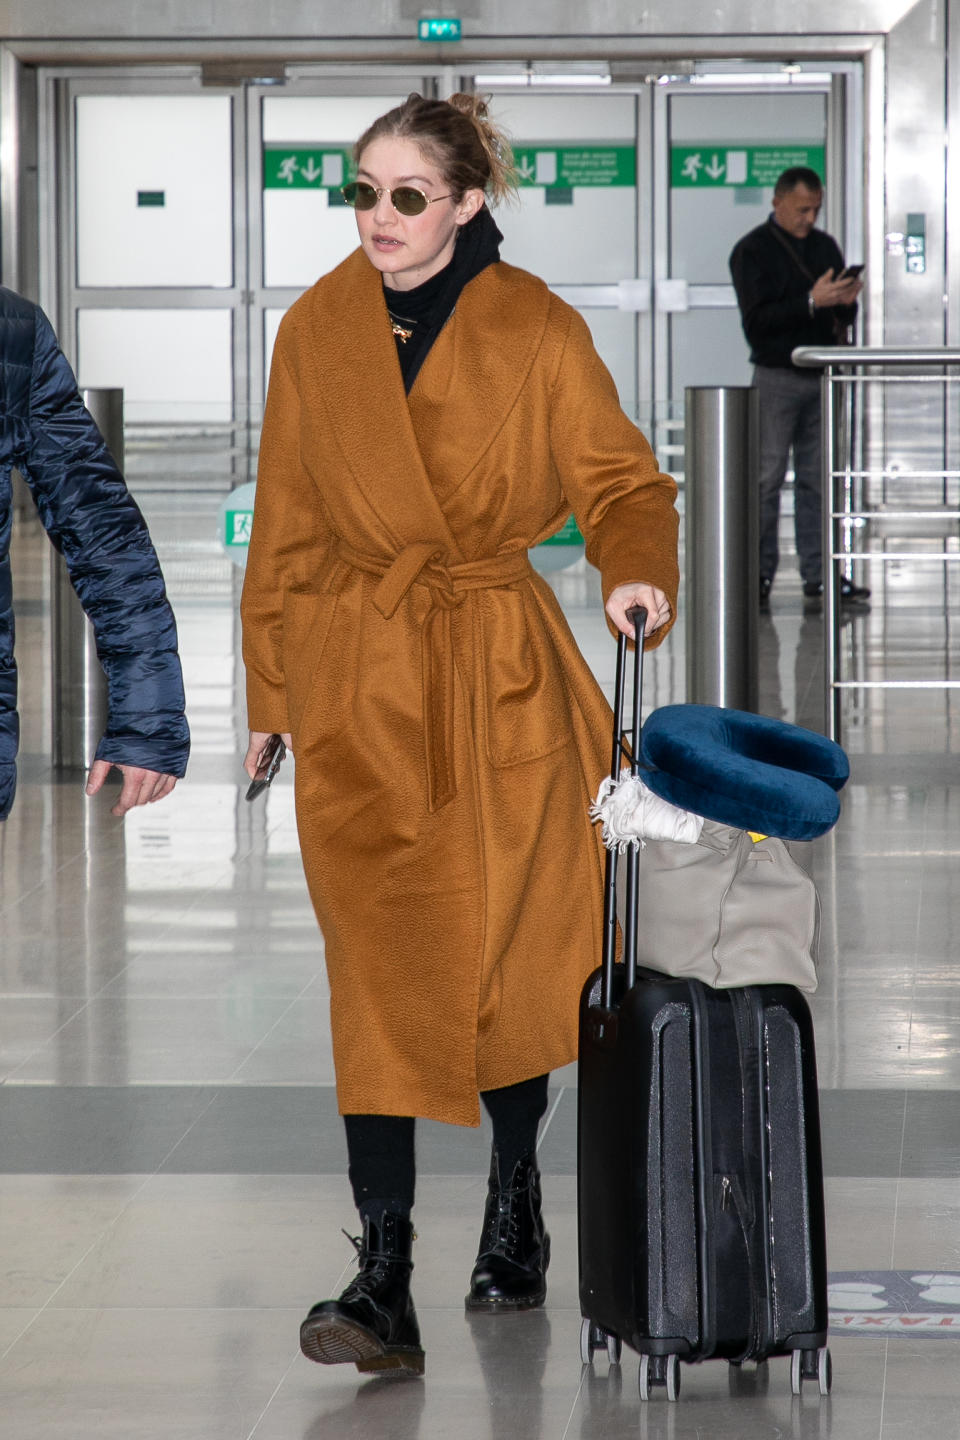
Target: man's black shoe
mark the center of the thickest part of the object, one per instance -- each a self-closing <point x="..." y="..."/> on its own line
<point x="766" y="585"/>
<point x="849" y="593"/>
<point x="855" y="594"/>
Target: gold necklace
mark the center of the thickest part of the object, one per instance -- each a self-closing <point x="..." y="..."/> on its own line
<point x="402" y="335"/>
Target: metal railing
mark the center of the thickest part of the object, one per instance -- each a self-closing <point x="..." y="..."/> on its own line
<point x="891" y="449"/>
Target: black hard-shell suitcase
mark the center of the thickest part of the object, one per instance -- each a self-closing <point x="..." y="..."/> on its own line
<point x="700" y="1183"/>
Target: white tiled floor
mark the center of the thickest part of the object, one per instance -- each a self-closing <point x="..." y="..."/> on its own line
<point x="171" y="1163"/>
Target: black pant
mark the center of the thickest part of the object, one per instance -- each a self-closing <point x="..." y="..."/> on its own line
<point x="790" y="418"/>
<point x="381" y="1147"/>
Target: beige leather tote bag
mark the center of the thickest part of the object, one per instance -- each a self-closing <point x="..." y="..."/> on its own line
<point x="727" y="910"/>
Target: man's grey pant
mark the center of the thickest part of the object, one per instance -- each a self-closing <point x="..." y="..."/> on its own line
<point x="790" y="417"/>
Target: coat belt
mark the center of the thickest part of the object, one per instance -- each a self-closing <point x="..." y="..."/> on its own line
<point x="422" y="563"/>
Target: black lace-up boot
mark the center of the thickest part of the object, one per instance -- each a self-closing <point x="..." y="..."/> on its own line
<point x="373" y="1324"/>
<point x="511" y="1268"/>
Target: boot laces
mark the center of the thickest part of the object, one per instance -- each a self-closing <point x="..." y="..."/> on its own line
<point x="503" y="1221"/>
<point x="369" y="1259"/>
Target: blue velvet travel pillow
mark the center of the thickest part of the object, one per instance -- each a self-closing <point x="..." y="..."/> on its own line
<point x="744" y="770"/>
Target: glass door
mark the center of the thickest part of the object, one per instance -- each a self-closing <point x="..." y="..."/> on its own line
<point x="720" y="144"/>
<point x="148" y="266"/>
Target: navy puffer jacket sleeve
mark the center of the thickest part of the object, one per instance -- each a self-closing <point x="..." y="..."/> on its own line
<point x="93" y="520"/>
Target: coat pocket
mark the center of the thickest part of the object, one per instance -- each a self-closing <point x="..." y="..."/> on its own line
<point x="526" y="706"/>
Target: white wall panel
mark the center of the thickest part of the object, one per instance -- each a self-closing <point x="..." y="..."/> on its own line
<point x="592" y="241"/>
<point x="336" y="119"/>
<point x="615" y="336"/>
<point x="567" y="117"/>
<point x="178" y="146"/>
<point x="173" y="365"/>
<point x="304" y="236"/>
<point x="271" y="324"/>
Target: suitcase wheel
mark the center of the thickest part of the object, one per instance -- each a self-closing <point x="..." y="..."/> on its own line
<point x="811" y="1365"/>
<point x="594" y="1337"/>
<point x="659" y="1370"/>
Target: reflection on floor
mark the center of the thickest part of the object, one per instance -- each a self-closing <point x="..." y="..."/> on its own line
<point x="171" y="1167"/>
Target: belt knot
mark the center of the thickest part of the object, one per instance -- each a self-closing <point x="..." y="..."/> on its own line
<point x="420" y="563"/>
<point x="424" y="563"/>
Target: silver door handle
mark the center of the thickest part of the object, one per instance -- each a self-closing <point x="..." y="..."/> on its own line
<point x="673" y="296"/>
<point x="634" y="295"/>
<point x="625" y="295"/>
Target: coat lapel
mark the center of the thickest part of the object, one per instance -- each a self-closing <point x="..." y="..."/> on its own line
<point x="358" y="381"/>
<point x="475" y="371"/>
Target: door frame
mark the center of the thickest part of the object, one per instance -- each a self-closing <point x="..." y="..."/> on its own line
<point x="842" y="84"/>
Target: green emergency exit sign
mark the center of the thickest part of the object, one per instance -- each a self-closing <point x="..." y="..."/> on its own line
<point x="566" y="167"/>
<point x="701" y="167"/>
<point x="305" y="167"/>
<point x="439" y="28"/>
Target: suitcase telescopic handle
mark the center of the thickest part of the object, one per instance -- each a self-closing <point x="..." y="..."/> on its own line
<point x="638" y="619"/>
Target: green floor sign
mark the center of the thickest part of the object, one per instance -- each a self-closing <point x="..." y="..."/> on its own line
<point x="237" y="527"/>
<point x="568" y="534"/>
<point x="707" y="165"/>
<point x="235" y="521"/>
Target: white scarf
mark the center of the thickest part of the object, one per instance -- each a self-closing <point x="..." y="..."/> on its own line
<point x="630" y="811"/>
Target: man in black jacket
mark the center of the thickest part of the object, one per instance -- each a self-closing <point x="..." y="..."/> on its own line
<point x="792" y="290"/>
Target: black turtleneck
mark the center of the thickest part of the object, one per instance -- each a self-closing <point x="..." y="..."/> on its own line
<point x="426" y="308"/>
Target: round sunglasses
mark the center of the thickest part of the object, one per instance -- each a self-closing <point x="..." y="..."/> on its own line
<point x="405" y="199"/>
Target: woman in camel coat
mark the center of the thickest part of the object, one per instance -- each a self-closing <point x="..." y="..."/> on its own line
<point x="448" y="733"/>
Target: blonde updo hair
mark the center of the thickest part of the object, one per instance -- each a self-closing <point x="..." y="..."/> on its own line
<point x="458" y="137"/>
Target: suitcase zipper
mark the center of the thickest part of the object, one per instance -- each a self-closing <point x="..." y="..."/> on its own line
<point x="703" y="1169"/>
<point x="749" y="1026"/>
<point x="731" y="1226"/>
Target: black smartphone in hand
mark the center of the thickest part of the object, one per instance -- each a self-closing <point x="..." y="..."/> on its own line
<point x="850" y="272"/>
<point x="271" y="757"/>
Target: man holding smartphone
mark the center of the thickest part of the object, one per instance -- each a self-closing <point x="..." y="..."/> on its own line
<point x="793" y="289"/>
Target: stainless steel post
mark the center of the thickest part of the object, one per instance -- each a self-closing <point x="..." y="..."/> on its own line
<point x="833" y="543"/>
<point x="79" y="686"/>
<point x="721" y="546"/>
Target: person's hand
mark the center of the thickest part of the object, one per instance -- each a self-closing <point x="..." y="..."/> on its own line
<point x="627" y="597"/>
<point x="259" y="738"/>
<point x="140" y="787"/>
<point x="828" y="291"/>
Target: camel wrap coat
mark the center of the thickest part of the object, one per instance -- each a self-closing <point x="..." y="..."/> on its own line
<point x="448" y="733"/>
